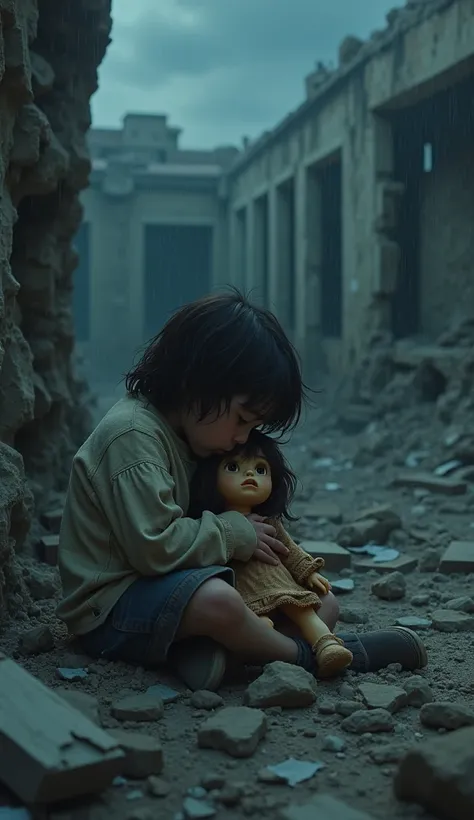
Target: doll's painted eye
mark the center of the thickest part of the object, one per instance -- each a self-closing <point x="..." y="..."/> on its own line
<point x="261" y="469"/>
<point x="232" y="467"/>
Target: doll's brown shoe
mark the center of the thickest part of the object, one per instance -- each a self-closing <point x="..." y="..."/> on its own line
<point x="331" y="656"/>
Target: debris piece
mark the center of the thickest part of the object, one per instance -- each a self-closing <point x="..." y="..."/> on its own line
<point x="295" y="771"/>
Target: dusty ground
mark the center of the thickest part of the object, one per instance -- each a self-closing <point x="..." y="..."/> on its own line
<point x="350" y="771"/>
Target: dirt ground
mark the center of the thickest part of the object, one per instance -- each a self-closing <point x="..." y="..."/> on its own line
<point x="358" y="768"/>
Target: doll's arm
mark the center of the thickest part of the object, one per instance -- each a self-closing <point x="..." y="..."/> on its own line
<point x="299" y="564"/>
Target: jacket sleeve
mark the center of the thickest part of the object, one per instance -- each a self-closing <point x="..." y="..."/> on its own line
<point x="156" y="537"/>
<point x="299" y="564"/>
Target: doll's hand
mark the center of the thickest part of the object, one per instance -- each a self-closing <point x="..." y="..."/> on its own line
<point x="268" y="547"/>
<point x="319" y="583"/>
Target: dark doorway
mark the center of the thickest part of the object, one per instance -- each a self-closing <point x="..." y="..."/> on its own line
<point x="178" y="269"/>
<point x="82" y="285"/>
<point x="330" y="181"/>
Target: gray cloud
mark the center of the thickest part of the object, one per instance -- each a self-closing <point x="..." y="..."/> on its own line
<point x="237" y="65"/>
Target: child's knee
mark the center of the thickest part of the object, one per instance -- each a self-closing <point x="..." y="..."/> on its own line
<point x="219" y="603"/>
<point x="329" y="610"/>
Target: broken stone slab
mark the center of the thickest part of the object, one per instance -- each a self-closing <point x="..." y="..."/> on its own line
<point x="404" y="563"/>
<point x="434" y="484"/>
<point x="236" y="730"/>
<point x="343" y="585"/>
<point x="459" y="557"/>
<point x="449" y="716"/>
<point x="383" y="696"/>
<point x="324" y="806"/>
<point x="49" y="751"/>
<point x="450" y="620"/>
<point x="413" y="622"/>
<point x="370" y="720"/>
<point x="282" y="684"/>
<point x="142" y="707"/>
<point x="438" y="775"/>
<point x="166" y="693"/>
<point x="391" y="587"/>
<point x="336" y="558"/>
<point x="197" y="809"/>
<point x="143" y="753"/>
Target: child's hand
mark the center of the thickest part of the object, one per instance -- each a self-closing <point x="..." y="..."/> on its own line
<point x="268" y="547"/>
<point x="319" y="583"/>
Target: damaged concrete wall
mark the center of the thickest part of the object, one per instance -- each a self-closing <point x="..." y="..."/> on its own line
<point x="447" y="241"/>
<point x="49" y="54"/>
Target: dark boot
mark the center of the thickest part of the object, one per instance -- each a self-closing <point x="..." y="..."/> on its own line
<point x="376" y="650"/>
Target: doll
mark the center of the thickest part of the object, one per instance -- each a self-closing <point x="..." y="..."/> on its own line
<point x="254" y="477"/>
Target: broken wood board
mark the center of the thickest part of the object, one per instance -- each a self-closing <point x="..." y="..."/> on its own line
<point x="49" y="751"/>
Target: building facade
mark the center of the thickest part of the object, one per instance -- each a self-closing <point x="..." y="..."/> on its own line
<point x="353" y="215"/>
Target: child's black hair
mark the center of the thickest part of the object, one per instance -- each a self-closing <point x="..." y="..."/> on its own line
<point x="205" y="496"/>
<point x="216" y="348"/>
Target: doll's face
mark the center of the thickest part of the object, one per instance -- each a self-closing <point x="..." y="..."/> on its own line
<point x="244" y="481"/>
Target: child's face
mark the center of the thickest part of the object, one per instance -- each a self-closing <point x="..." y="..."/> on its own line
<point x="219" y="433"/>
<point x="244" y="481"/>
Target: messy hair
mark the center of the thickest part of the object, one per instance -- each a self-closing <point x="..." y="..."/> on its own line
<point x="204" y="494"/>
<point x="216" y="348"/>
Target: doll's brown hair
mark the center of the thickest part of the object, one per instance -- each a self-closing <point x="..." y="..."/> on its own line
<point x="205" y="496"/>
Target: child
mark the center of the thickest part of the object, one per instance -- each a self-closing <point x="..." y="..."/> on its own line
<point x="255" y="477"/>
<point x="142" y="581"/>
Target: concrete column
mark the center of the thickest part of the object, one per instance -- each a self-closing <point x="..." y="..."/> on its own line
<point x="239" y="246"/>
<point x="249" y="272"/>
<point x="313" y="353"/>
<point x="273" y="247"/>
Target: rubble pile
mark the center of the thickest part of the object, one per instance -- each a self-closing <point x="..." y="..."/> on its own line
<point x="49" y="72"/>
<point x="413" y="403"/>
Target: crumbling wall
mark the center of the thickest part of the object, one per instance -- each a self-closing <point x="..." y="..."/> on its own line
<point x="50" y="51"/>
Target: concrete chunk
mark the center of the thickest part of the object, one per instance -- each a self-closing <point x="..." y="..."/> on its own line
<point x="335" y="557"/>
<point x="438" y="775"/>
<point x="459" y="557"/>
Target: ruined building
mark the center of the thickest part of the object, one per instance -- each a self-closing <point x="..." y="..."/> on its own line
<point x="353" y="215"/>
<point x="48" y="72"/>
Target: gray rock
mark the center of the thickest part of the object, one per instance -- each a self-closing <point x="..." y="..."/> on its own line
<point x="36" y="641"/>
<point x="332" y="743"/>
<point x="203" y="699"/>
<point x="196" y="809"/>
<point x="462" y="604"/>
<point x="348" y="707"/>
<point x="449" y="620"/>
<point x="418" y="691"/>
<point x="383" y="696"/>
<point x="236" y="730"/>
<point x="391" y="587"/>
<point x="430" y="560"/>
<point x="438" y="775"/>
<point x="388" y="753"/>
<point x="450" y="716"/>
<point x="370" y="720"/>
<point x="140" y="707"/>
<point x="143" y="753"/>
<point x="353" y="615"/>
<point x="421" y="599"/>
<point x="282" y="684"/>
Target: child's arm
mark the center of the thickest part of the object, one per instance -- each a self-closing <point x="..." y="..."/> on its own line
<point x="154" y="533"/>
<point x="298" y="563"/>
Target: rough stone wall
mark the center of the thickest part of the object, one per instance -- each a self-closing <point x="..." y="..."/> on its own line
<point x="49" y="54"/>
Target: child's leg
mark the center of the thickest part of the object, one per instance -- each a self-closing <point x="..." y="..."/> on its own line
<point x="217" y="611"/>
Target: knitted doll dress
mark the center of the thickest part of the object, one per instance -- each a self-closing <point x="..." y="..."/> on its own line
<point x="265" y="587"/>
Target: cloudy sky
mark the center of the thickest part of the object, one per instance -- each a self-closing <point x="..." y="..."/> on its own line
<point x="222" y="69"/>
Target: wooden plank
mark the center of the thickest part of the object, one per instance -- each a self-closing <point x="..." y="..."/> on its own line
<point x="50" y="751"/>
